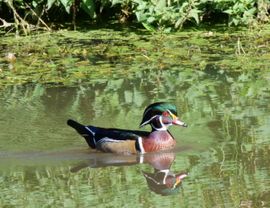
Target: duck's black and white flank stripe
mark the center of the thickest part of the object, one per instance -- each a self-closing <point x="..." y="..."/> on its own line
<point x="111" y="140"/>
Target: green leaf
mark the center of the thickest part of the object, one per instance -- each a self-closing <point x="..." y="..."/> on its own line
<point x="34" y="3"/>
<point x="178" y="23"/>
<point x="67" y="4"/>
<point x="251" y="11"/>
<point x="161" y="4"/>
<point x="142" y="6"/>
<point x="168" y="30"/>
<point x="89" y="7"/>
<point x="50" y="3"/>
<point x="194" y="13"/>
<point x="235" y="21"/>
<point x="228" y="11"/>
<point x="151" y="19"/>
<point x="141" y="17"/>
<point x="149" y="27"/>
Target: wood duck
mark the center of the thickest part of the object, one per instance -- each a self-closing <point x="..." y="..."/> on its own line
<point x="159" y="115"/>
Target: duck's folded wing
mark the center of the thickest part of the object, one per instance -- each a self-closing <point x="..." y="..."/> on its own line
<point x="119" y="141"/>
<point x="110" y="140"/>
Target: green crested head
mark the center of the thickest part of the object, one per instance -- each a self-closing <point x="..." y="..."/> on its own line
<point x="158" y="109"/>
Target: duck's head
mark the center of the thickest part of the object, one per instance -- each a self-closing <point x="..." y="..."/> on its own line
<point x="160" y="116"/>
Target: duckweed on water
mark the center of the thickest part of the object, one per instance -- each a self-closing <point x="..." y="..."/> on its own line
<point x="70" y="57"/>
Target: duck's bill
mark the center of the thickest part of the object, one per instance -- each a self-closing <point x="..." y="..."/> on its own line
<point x="179" y="123"/>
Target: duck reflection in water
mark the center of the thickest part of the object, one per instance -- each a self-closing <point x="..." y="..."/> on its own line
<point x="162" y="180"/>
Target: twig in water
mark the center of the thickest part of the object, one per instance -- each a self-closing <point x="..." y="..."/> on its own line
<point x="240" y="50"/>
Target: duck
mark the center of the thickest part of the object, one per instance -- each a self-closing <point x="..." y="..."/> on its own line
<point x="160" y="116"/>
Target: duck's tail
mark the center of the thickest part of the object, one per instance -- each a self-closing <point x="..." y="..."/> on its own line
<point x="84" y="131"/>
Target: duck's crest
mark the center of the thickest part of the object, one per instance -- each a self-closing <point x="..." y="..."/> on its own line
<point x="156" y="109"/>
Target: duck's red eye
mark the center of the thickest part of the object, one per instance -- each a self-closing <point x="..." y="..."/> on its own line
<point x="165" y="114"/>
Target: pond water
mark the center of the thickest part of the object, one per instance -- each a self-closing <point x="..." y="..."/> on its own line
<point x="221" y="160"/>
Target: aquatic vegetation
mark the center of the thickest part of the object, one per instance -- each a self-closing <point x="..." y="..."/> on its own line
<point x="67" y="58"/>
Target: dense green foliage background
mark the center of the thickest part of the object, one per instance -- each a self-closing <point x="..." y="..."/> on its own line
<point x="154" y="15"/>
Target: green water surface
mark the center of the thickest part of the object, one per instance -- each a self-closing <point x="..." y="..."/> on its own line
<point x="221" y="91"/>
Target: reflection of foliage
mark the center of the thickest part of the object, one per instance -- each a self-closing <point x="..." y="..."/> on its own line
<point x="232" y="105"/>
<point x="235" y="100"/>
<point x="224" y="97"/>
